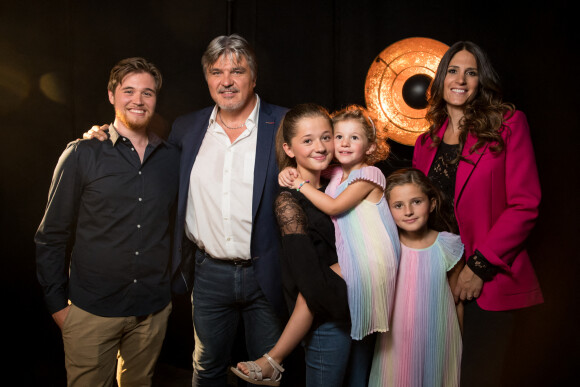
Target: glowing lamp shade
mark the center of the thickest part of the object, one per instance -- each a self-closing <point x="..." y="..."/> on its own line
<point x="396" y="85"/>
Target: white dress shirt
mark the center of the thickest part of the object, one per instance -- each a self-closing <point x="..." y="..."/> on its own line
<point x="219" y="206"/>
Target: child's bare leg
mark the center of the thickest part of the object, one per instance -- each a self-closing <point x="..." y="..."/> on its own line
<point x="297" y="327"/>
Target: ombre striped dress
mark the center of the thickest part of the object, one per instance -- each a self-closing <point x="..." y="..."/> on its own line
<point x="367" y="244"/>
<point x="424" y="345"/>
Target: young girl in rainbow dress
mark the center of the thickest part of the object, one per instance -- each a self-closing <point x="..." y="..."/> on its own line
<point x="423" y="347"/>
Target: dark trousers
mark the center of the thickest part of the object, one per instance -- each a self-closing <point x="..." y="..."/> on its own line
<point x="487" y="337"/>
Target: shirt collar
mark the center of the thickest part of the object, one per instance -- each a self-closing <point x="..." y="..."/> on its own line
<point x="114" y="136"/>
<point x="251" y="121"/>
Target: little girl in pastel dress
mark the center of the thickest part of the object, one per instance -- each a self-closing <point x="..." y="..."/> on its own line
<point x="424" y="346"/>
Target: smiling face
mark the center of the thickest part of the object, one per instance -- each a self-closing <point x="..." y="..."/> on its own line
<point x="410" y="208"/>
<point x="231" y="83"/>
<point x="461" y="81"/>
<point x="311" y="146"/>
<point x="351" y="145"/>
<point x="134" y="100"/>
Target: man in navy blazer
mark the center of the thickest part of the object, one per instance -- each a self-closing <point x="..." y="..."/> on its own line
<point x="226" y="236"/>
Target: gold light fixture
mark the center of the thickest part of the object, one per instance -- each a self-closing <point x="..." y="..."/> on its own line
<point x="396" y="84"/>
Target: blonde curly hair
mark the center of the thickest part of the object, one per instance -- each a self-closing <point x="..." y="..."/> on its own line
<point x="367" y="120"/>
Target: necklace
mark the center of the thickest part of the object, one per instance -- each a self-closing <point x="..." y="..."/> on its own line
<point x="226" y="125"/>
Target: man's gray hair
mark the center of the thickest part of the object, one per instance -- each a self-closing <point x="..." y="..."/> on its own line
<point x="233" y="46"/>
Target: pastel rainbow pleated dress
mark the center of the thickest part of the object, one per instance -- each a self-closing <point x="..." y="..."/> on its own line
<point x="367" y="244"/>
<point x="423" y="347"/>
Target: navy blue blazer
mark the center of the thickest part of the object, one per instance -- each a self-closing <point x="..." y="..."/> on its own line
<point x="187" y="133"/>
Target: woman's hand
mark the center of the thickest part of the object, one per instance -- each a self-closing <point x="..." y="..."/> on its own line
<point x="287" y="177"/>
<point x="468" y="285"/>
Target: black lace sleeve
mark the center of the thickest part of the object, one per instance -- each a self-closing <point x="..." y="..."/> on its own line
<point x="481" y="266"/>
<point x="304" y="270"/>
<point x="290" y="216"/>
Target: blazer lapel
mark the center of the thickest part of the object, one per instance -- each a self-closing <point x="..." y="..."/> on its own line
<point x="267" y="126"/>
<point x="465" y="168"/>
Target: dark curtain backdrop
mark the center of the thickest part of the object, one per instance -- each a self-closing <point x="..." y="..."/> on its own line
<point x="54" y="62"/>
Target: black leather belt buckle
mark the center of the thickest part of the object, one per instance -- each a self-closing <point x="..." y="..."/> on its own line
<point x="240" y="262"/>
<point x="232" y="261"/>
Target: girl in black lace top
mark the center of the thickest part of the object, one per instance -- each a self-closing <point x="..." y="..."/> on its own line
<point x="314" y="290"/>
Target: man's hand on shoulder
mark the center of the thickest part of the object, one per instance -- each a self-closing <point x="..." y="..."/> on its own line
<point x="97" y="132"/>
<point x="60" y="316"/>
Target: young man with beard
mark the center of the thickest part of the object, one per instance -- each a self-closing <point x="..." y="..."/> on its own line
<point x="112" y="201"/>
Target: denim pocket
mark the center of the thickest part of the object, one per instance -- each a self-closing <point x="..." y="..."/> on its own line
<point x="200" y="258"/>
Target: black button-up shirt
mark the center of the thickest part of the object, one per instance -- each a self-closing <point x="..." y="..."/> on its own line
<point x="115" y="211"/>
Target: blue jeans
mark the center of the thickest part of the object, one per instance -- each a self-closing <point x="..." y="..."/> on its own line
<point x="326" y="354"/>
<point x="222" y="294"/>
<point x="360" y="361"/>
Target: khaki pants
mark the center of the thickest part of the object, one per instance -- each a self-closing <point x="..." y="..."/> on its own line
<point x="93" y="344"/>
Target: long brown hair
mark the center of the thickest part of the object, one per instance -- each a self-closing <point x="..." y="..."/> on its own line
<point x="483" y="114"/>
<point x="288" y="126"/>
<point x="414" y="176"/>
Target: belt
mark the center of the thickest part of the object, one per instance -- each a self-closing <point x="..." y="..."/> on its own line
<point x="228" y="261"/>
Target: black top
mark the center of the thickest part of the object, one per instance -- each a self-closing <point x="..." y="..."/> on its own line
<point x="443" y="173"/>
<point x="116" y="210"/>
<point x="308" y="251"/>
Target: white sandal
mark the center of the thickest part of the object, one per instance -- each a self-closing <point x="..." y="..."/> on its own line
<point x="255" y="373"/>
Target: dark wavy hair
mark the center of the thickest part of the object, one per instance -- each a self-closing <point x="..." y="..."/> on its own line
<point x="484" y="113"/>
<point x="404" y="176"/>
<point x="288" y="128"/>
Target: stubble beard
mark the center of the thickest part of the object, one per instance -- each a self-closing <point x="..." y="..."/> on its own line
<point x="232" y="107"/>
<point x="134" y="125"/>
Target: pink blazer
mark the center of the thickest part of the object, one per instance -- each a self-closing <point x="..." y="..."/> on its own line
<point x="496" y="206"/>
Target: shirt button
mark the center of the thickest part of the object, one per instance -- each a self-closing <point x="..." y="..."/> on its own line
<point x="132" y="149"/>
<point x="139" y="172"/>
<point x="228" y="239"/>
<point x="136" y="253"/>
<point x="140" y="199"/>
<point x="138" y="226"/>
<point x="135" y="281"/>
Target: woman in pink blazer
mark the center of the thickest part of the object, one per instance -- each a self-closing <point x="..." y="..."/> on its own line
<point x="478" y="151"/>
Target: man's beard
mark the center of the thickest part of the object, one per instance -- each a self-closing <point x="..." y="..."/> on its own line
<point x="135" y="125"/>
<point x="232" y="107"/>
